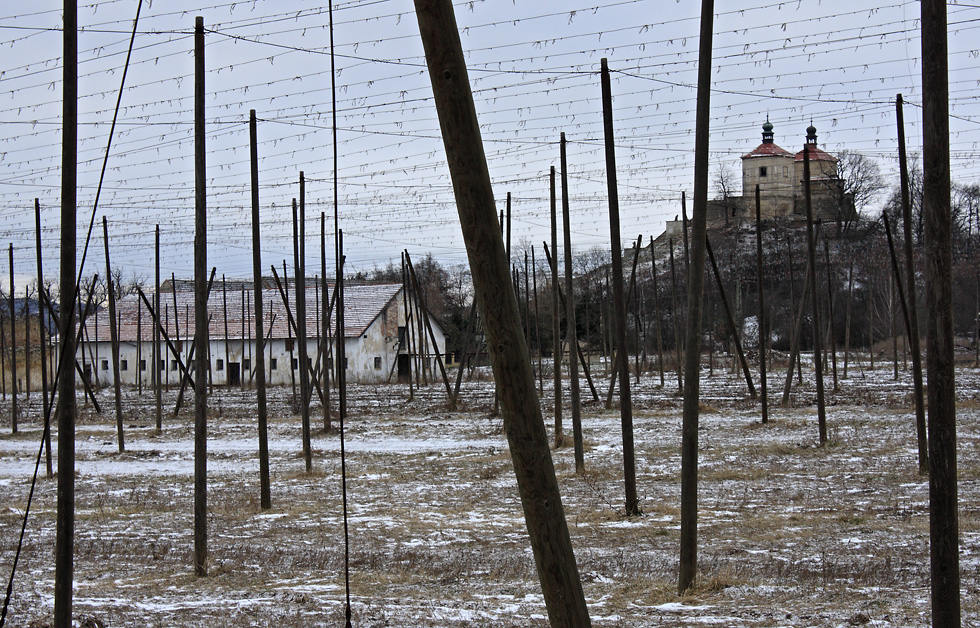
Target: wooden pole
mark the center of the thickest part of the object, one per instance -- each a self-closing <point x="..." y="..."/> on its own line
<point x="814" y="308"/>
<point x="740" y="354"/>
<point x="432" y="336"/>
<point x="675" y="316"/>
<point x="555" y="312"/>
<point x="914" y="345"/>
<point x="571" y="335"/>
<point x="299" y="272"/>
<point x="25" y="311"/>
<point x="619" y="298"/>
<point x="13" y="349"/>
<point x="224" y="315"/>
<point x="763" y="328"/>
<point x="65" y="518"/>
<point x="43" y="327"/>
<point x="200" y="310"/>
<point x="157" y="358"/>
<point x="830" y="314"/>
<point x="265" y="491"/>
<point x="537" y="322"/>
<point x="656" y="307"/>
<point x="847" y="315"/>
<point x="695" y="296"/>
<point x="943" y="520"/>
<point x="523" y="421"/>
<point x="114" y="340"/>
<point x="325" y="326"/>
<point x="621" y="355"/>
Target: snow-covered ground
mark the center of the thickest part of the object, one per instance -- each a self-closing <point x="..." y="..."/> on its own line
<point x="790" y="534"/>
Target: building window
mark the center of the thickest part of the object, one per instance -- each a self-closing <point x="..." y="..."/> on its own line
<point x="173" y="365"/>
<point x="295" y="363"/>
<point x="105" y="365"/>
<point x="377" y="363"/>
<point x="123" y="365"/>
<point x="289" y="344"/>
<point x="346" y="364"/>
<point x="247" y="364"/>
<point x="401" y="335"/>
<point x="785" y="171"/>
<point x="163" y="365"/>
<point x="273" y="364"/>
<point x="142" y="365"/>
<point x="763" y="171"/>
<point x="219" y="365"/>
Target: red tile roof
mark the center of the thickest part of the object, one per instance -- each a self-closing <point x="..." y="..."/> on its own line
<point x="767" y="149"/>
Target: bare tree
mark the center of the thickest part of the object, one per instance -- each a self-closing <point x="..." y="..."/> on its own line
<point x="726" y="189"/>
<point x="860" y="184"/>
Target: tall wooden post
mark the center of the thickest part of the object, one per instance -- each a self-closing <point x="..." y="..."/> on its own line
<point x="42" y="341"/>
<point x="537" y="320"/>
<point x="847" y="313"/>
<point x="555" y="312"/>
<point x="299" y="272"/>
<point x="619" y="298"/>
<point x="830" y="314"/>
<point x="224" y="315"/>
<point x="114" y="340"/>
<point x="675" y="315"/>
<point x="943" y="518"/>
<point x="325" y="326"/>
<point x="571" y="335"/>
<point x="695" y="295"/>
<point x="65" y="518"/>
<point x="730" y="319"/>
<point x="13" y="349"/>
<point x="157" y="357"/>
<point x="201" y="362"/>
<point x="264" y="483"/>
<point x="763" y="328"/>
<point x="914" y="345"/>
<point x="811" y="245"/>
<point x="519" y="404"/>
<point x="656" y="308"/>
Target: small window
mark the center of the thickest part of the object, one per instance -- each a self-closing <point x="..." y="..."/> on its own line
<point x="346" y="364"/>
<point x="105" y="365"/>
<point x="173" y="365"/>
<point x="219" y="365"/>
<point x="142" y="365"/>
<point x="763" y="171"/>
<point x="289" y="344"/>
<point x="377" y="363"/>
<point x="123" y="365"/>
<point x="785" y="171"/>
<point x="273" y="364"/>
<point x="247" y="364"/>
<point x="295" y="363"/>
<point x="163" y="365"/>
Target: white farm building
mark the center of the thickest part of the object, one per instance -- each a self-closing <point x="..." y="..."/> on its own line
<point x="385" y="335"/>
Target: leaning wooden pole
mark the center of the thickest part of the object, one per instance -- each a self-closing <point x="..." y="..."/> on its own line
<point x="555" y="311"/>
<point x="695" y="296"/>
<point x="265" y="491"/>
<point x="43" y="327"/>
<point x="521" y="410"/>
<point x="943" y="519"/>
<point x="200" y="311"/>
<point x="65" y="518"/>
<point x="811" y="245"/>
<point x="914" y="345"/>
<point x="763" y="328"/>
<point x="730" y="319"/>
<point x="619" y="298"/>
<point x="571" y="332"/>
<point x="114" y="341"/>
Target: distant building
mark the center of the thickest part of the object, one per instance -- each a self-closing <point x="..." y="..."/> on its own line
<point x="380" y="345"/>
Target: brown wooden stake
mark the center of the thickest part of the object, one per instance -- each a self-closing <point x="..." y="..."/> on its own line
<point x="555" y="312"/>
<point x="914" y="348"/>
<point x="943" y="519"/>
<point x="13" y="349"/>
<point x="265" y="490"/>
<point x="114" y="340"/>
<point x="202" y="362"/>
<point x="523" y="421"/>
<point x="619" y="298"/>
<point x="830" y="314"/>
<point x="571" y="335"/>
<point x="763" y="328"/>
<point x="65" y="518"/>
<point x="43" y="331"/>
<point x="656" y="306"/>
<point x="695" y="296"/>
<point x="814" y="308"/>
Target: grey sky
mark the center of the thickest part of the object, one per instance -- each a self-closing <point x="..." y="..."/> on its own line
<point x="533" y="66"/>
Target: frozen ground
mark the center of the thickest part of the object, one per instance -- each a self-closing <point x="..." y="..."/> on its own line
<point x="790" y="534"/>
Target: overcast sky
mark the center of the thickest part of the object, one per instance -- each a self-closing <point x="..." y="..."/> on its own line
<point x="534" y="70"/>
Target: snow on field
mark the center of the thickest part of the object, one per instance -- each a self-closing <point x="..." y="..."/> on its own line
<point x="790" y="534"/>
